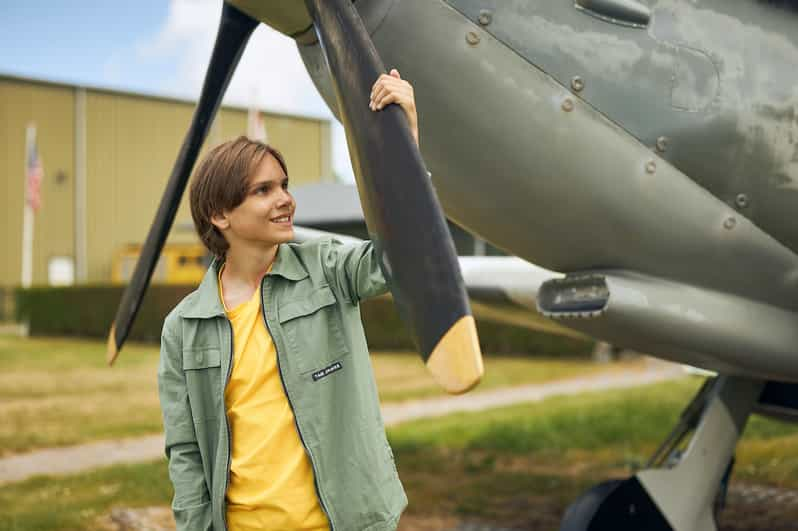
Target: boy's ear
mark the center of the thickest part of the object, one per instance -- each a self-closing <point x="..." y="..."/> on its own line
<point x="220" y="221"/>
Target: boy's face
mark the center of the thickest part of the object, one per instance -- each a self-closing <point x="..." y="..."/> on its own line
<point x="266" y="216"/>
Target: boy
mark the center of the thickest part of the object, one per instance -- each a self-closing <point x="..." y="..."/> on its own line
<point x="270" y="408"/>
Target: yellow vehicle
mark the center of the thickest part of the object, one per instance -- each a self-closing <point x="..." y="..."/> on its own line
<point x="183" y="263"/>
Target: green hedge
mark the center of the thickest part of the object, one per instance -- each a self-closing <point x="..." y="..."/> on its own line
<point x="87" y="311"/>
<point x="386" y="331"/>
<point x="6" y="304"/>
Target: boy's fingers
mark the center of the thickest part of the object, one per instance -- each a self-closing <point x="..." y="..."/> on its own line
<point x="401" y="91"/>
<point x="395" y="86"/>
<point x="399" y="86"/>
<point x="385" y="79"/>
<point x="379" y="93"/>
<point x="376" y="84"/>
<point x="400" y="96"/>
<point x="381" y="84"/>
<point x="388" y="98"/>
<point x="379" y="96"/>
<point x="395" y="73"/>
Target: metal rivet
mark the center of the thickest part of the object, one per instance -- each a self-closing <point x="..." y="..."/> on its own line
<point x="485" y="17"/>
<point x="729" y="222"/>
<point x="651" y="166"/>
<point x="577" y="83"/>
<point x="741" y="200"/>
<point x="568" y="105"/>
<point x="199" y="357"/>
<point x="472" y="38"/>
<point x="662" y="144"/>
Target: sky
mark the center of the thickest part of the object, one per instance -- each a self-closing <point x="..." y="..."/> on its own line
<point x="158" y="47"/>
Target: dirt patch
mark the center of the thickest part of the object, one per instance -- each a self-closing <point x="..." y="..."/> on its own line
<point x="754" y="507"/>
<point x="750" y="508"/>
<point x="410" y="522"/>
<point x="136" y="519"/>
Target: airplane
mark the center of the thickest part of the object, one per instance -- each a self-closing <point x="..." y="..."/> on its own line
<point x="642" y="155"/>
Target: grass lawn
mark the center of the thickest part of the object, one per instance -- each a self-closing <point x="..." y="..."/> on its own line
<point x="617" y="430"/>
<point x="56" y="392"/>
<point x="518" y="466"/>
<point x="75" y="502"/>
<point x="403" y="376"/>
<point x="523" y="465"/>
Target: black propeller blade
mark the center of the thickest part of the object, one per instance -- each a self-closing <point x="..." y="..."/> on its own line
<point x="402" y="211"/>
<point x="235" y="29"/>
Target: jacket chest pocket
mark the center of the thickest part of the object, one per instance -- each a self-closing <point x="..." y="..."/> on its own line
<point x="202" y="369"/>
<point x="313" y="330"/>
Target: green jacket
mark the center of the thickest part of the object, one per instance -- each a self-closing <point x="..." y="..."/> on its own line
<point x="310" y="306"/>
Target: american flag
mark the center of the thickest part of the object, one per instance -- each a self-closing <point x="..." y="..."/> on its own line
<point x="35" y="174"/>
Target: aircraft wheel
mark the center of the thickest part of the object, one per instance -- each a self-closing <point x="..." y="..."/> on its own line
<point x="614" y="505"/>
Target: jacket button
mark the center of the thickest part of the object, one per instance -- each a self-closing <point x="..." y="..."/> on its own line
<point x="198" y="357"/>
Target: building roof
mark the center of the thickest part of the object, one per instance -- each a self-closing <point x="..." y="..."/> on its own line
<point x="324" y="203"/>
<point x="149" y="95"/>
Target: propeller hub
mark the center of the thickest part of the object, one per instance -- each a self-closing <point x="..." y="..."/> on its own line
<point x="289" y="18"/>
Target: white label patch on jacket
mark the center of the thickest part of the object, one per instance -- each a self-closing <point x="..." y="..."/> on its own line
<point x="318" y="375"/>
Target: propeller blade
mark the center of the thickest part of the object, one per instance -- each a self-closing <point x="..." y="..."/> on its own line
<point x="235" y="29"/>
<point x="404" y="217"/>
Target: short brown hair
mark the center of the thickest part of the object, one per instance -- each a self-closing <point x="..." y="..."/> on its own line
<point x="220" y="183"/>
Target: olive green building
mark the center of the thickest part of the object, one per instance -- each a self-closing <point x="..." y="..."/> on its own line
<point x="107" y="156"/>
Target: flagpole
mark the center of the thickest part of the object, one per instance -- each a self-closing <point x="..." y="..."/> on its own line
<point x="256" y="125"/>
<point x="28" y="218"/>
<point x="81" y="264"/>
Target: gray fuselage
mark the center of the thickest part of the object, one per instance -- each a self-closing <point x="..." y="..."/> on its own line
<point x="568" y="174"/>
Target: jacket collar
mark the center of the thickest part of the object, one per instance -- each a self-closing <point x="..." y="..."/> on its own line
<point x="207" y="304"/>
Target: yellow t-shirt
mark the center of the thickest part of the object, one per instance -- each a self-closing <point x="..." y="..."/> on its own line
<point x="271" y="479"/>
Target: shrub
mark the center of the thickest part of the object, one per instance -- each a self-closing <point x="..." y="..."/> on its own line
<point x="88" y="311"/>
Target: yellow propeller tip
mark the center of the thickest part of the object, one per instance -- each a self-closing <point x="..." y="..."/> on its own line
<point x="111" y="351"/>
<point x="456" y="361"/>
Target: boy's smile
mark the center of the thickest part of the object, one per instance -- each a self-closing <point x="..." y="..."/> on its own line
<point x="282" y="220"/>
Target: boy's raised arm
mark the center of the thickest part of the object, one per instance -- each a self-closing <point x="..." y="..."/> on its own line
<point x="355" y="269"/>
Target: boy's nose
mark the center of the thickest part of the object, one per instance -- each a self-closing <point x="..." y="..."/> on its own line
<point x="286" y="198"/>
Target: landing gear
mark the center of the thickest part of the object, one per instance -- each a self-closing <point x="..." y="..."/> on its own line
<point x="678" y="490"/>
<point x="614" y="505"/>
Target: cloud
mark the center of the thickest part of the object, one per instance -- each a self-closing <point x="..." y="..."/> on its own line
<point x="270" y="75"/>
